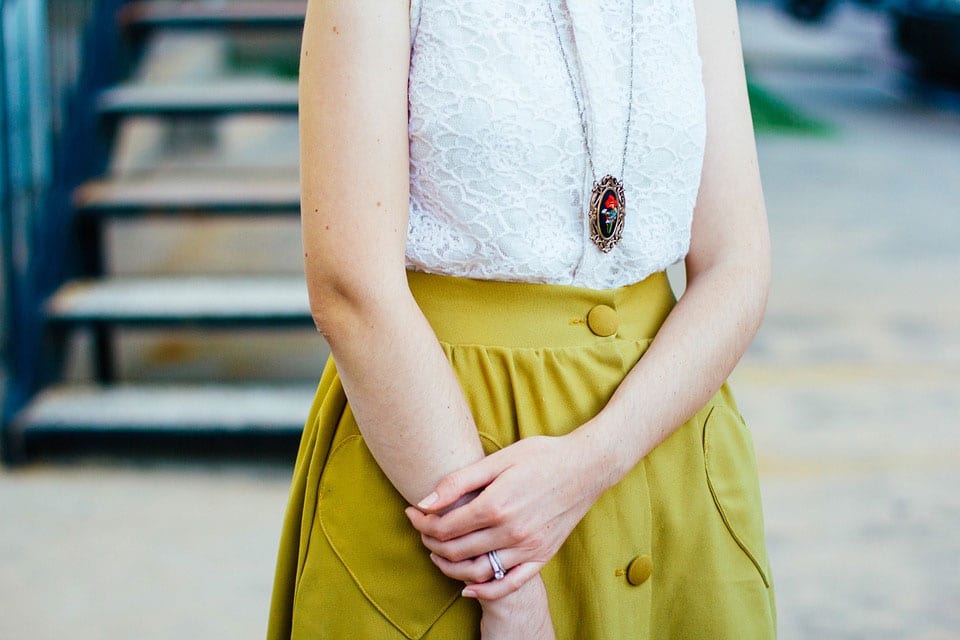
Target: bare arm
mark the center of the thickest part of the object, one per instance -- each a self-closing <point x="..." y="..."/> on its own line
<point x="537" y="490"/>
<point x="355" y="198"/>
<point x="355" y="201"/>
<point x="728" y="267"/>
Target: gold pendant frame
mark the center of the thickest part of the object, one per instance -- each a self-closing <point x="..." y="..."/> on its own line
<point x="604" y="241"/>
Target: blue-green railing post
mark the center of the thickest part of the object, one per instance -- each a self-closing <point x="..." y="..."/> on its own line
<point x="55" y="56"/>
<point x="27" y="163"/>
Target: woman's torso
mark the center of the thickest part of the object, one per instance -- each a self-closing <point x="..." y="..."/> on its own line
<point x="499" y="175"/>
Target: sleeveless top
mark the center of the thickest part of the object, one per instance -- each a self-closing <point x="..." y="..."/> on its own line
<point x="499" y="177"/>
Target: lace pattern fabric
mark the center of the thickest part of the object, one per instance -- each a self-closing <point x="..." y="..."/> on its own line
<point x="499" y="178"/>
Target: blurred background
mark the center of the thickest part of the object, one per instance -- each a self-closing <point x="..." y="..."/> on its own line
<point x="158" y="356"/>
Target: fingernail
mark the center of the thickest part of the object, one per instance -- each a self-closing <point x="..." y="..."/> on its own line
<point x="433" y="558"/>
<point x="468" y="593"/>
<point x="429" y="500"/>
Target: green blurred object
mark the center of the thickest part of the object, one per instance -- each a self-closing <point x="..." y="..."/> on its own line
<point x="273" y="54"/>
<point x="773" y="115"/>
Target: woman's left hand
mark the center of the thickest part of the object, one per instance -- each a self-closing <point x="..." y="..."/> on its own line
<point x="532" y="494"/>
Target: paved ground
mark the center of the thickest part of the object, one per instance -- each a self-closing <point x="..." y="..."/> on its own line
<point x="852" y="389"/>
<point x="853" y="386"/>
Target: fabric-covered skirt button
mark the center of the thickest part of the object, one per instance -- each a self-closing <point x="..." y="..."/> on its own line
<point x="603" y="321"/>
<point x="639" y="570"/>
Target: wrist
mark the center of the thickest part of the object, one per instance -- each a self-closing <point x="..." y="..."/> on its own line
<point x="606" y="457"/>
<point x="516" y="601"/>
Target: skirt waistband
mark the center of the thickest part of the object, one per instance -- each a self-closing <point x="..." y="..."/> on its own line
<point x="529" y="315"/>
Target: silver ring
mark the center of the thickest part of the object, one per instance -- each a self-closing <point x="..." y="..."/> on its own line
<point x="498" y="571"/>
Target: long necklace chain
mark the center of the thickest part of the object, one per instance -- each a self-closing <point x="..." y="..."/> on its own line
<point x="606" y="222"/>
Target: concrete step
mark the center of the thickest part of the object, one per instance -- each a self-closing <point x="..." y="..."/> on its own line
<point x="193" y="300"/>
<point x="236" y="193"/>
<point x="174" y="410"/>
<point x="151" y="14"/>
<point x="217" y="97"/>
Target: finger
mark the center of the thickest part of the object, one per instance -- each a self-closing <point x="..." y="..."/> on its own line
<point x="472" y="570"/>
<point x="461" y="482"/>
<point x="419" y="520"/>
<point x="460" y="549"/>
<point x="496" y="589"/>
<point x="456" y="524"/>
<point x="428" y="524"/>
<point x="489" y="509"/>
<point x="435" y="527"/>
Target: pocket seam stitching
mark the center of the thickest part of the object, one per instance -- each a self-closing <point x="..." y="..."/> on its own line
<point x="350" y="570"/>
<point x="719" y="505"/>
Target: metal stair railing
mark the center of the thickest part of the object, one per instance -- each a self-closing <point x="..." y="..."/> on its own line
<point x="55" y="56"/>
<point x="26" y="170"/>
<point x="83" y="296"/>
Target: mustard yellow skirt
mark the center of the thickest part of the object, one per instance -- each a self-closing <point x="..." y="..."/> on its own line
<point x="675" y="550"/>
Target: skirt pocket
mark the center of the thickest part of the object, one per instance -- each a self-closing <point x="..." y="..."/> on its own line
<point x="361" y="516"/>
<point x="732" y="476"/>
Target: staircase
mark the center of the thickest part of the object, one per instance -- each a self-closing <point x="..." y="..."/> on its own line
<point x="187" y="319"/>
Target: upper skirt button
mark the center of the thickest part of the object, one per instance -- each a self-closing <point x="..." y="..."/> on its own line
<point x="602" y="321"/>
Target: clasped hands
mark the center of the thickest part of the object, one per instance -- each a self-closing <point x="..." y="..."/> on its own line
<point x="526" y="499"/>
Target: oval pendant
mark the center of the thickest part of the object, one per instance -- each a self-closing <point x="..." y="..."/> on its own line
<point x="607" y="209"/>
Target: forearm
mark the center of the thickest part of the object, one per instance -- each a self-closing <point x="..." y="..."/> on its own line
<point x="403" y="392"/>
<point x="355" y="197"/>
<point x="354" y="144"/>
<point x="694" y="352"/>
<point x="416" y="422"/>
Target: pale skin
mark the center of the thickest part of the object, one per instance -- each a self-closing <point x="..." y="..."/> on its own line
<point x="525" y="499"/>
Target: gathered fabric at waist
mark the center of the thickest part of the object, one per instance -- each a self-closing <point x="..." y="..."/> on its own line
<point x="531" y="315"/>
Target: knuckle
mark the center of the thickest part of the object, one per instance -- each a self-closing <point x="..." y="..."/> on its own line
<point x="517" y="533"/>
<point x="424" y="525"/>
<point x="535" y="540"/>
<point x="440" y="532"/>
<point x="428" y="543"/>
<point x="449" y="484"/>
<point x="497" y="512"/>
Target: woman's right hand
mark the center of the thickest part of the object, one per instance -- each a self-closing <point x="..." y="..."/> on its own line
<point x="532" y="494"/>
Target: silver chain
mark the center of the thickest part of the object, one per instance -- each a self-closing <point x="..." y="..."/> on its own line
<point x="576" y="95"/>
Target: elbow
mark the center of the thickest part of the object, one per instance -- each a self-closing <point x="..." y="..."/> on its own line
<point x="761" y="296"/>
<point x="754" y="278"/>
<point x="744" y="277"/>
<point x="343" y="304"/>
<point x="749" y="276"/>
<point x="762" y="279"/>
<point x="332" y="307"/>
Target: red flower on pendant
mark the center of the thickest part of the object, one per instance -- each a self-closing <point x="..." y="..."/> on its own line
<point x="611" y="202"/>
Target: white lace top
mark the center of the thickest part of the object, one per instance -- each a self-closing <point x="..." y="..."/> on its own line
<point x="499" y="178"/>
